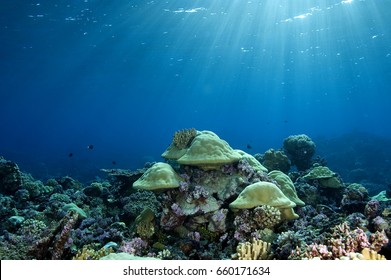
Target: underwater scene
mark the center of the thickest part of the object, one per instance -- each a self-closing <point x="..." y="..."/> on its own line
<point x="195" y="129"/>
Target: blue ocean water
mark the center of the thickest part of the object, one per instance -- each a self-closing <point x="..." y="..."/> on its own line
<point x="123" y="76"/>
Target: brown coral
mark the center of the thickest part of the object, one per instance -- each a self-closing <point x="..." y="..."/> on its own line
<point x="182" y="138"/>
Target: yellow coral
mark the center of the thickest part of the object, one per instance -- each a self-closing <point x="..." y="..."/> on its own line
<point x="208" y="152"/>
<point x="256" y="250"/>
<point x="159" y="176"/>
<point x="286" y="186"/>
<point x="369" y="254"/>
<point x="265" y="193"/>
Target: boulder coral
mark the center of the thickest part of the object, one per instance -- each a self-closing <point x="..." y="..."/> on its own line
<point x="10" y="176"/>
<point x="207" y="151"/>
<point x="276" y="160"/>
<point x="300" y="149"/>
<point x="324" y="177"/>
<point x="159" y="176"/>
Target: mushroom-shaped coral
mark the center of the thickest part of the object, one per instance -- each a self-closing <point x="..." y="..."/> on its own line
<point x="265" y="193"/>
<point x="325" y="177"/>
<point x="159" y="176"/>
<point x="209" y="152"/>
<point x="300" y="149"/>
<point x="287" y="186"/>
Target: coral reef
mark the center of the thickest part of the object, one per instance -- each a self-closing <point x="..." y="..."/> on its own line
<point x="208" y="201"/>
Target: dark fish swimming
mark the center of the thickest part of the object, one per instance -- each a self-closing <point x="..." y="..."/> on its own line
<point x="114" y="162"/>
<point x="90" y="147"/>
<point x="249" y="146"/>
<point x="70" y="155"/>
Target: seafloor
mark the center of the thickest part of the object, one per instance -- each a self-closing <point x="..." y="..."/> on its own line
<point x="205" y="200"/>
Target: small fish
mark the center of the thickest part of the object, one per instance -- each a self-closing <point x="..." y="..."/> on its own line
<point x="285" y="121"/>
<point x="90" y="147"/>
<point x="70" y="155"/>
<point x="249" y="146"/>
<point x="114" y="162"/>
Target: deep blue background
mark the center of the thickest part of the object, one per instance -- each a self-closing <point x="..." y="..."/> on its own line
<point x="125" y="75"/>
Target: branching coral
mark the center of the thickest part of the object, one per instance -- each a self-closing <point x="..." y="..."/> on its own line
<point x="182" y="138"/>
<point x="266" y="216"/>
<point x="255" y="250"/>
<point x="136" y="247"/>
<point x="344" y="242"/>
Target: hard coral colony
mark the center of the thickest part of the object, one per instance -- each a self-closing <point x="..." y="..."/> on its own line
<point x="206" y="201"/>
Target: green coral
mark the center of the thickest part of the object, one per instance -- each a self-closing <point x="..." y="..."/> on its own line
<point x="90" y="254"/>
<point x="60" y="197"/>
<point x="35" y="187"/>
<point x="73" y="207"/>
<point x="32" y="227"/>
<point x="209" y="152"/>
<point x="207" y="234"/>
<point x="265" y="193"/>
<point x="381" y="196"/>
<point x="276" y="160"/>
<point x="159" y="176"/>
<point x="319" y="172"/>
<point x="325" y="177"/>
<point x="286" y="185"/>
